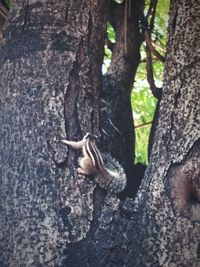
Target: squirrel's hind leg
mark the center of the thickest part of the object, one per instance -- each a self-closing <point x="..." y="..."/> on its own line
<point x="86" y="166"/>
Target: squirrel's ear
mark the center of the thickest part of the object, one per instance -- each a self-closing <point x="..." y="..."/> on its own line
<point x="91" y="136"/>
<point x="87" y="135"/>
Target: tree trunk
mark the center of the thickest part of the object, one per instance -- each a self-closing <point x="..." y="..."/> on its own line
<point x="117" y="117"/>
<point x="170" y="194"/>
<point x="50" y="80"/>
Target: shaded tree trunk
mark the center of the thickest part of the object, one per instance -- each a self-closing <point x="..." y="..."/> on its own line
<point x="117" y="117"/>
<point x="50" y="80"/>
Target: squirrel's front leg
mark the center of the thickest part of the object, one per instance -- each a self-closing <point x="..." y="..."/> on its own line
<point x="76" y="144"/>
<point x="86" y="166"/>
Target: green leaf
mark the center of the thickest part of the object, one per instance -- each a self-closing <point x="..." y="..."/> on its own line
<point x="111" y="33"/>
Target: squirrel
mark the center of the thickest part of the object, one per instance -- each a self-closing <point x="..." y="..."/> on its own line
<point x="110" y="177"/>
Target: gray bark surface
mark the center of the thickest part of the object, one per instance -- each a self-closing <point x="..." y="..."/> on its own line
<point x="170" y="193"/>
<point x="50" y="80"/>
<point x="50" y="51"/>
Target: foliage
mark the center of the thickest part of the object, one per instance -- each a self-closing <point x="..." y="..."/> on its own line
<point x="111" y="33"/>
<point x="143" y="104"/>
<point x="107" y="51"/>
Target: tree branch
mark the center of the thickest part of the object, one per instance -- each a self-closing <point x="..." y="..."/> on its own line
<point x="154" y="5"/>
<point x="150" y="77"/>
<point x="149" y="28"/>
<point x="151" y="47"/>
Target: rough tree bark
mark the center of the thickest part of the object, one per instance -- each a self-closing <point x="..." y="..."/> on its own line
<point x="50" y="80"/>
<point x="170" y="194"/>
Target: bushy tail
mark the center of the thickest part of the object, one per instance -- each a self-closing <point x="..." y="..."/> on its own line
<point x="114" y="178"/>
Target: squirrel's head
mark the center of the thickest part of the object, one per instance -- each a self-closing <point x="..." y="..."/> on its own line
<point x="90" y="136"/>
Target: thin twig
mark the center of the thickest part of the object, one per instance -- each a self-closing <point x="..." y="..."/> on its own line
<point x="150" y="76"/>
<point x="149" y="10"/>
<point x="143" y="125"/>
<point x="151" y="47"/>
<point x="153" y="14"/>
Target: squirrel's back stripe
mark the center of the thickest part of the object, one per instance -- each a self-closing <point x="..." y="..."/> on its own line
<point x="89" y="152"/>
<point x="95" y="155"/>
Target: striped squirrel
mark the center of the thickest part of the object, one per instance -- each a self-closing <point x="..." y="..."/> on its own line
<point x="109" y="175"/>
